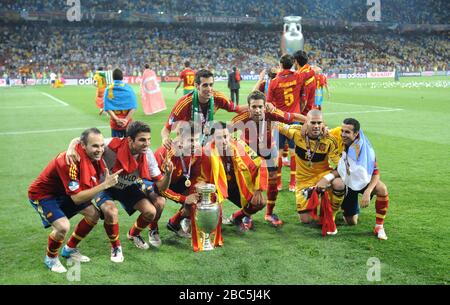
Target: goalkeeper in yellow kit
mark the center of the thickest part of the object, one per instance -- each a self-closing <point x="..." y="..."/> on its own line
<point x="313" y="155"/>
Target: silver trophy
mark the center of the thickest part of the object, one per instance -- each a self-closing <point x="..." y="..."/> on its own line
<point x="292" y="34"/>
<point x="207" y="216"/>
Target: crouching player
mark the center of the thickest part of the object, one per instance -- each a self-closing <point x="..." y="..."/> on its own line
<point x="246" y="178"/>
<point x="359" y="171"/>
<point x="132" y="154"/>
<point x="61" y="191"/>
<point x="185" y="155"/>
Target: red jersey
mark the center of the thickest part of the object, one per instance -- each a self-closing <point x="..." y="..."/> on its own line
<point x="59" y="179"/>
<point x="188" y="77"/>
<point x="321" y="81"/>
<point x="308" y="93"/>
<point x="256" y="139"/>
<point x="179" y="172"/>
<point x="120" y="114"/>
<point x="182" y="111"/>
<point x="262" y="86"/>
<point x="284" y="90"/>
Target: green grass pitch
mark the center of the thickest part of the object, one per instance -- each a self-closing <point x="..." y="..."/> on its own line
<point x="407" y="123"/>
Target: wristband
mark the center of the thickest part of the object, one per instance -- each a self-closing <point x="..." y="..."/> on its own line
<point x="329" y="177"/>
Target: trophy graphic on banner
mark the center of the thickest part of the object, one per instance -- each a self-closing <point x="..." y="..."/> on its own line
<point x="292" y="39"/>
<point x="207" y="215"/>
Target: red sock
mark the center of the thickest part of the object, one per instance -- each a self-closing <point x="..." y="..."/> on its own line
<point x="140" y="224"/>
<point x="280" y="166"/>
<point x="53" y="246"/>
<point x="153" y="226"/>
<point x="269" y="208"/>
<point x="285" y="149"/>
<point x="238" y="215"/>
<point x="175" y="220"/>
<point x="272" y="191"/>
<point x="83" y="228"/>
<point x="293" y="167"/>
<point x="381" y="206"/>
<point x="112" y="230"/>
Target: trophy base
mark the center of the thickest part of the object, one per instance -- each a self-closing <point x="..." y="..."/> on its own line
<point x="207" y="245"/>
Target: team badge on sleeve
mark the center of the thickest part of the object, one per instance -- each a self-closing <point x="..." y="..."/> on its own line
<point x="171" y="120"/>
<point x="74" y="185"/>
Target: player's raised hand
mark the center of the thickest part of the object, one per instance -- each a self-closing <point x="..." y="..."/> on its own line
<point x="167" y="164"/>
<point x="111" y="180"/>
<point x="167" y="143"/>
<point x="262" y="74"/>
<point x="270" y="107"/>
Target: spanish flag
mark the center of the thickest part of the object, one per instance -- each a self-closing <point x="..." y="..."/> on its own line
<point x="212" y="171"/>
<point x="250" y="173"/>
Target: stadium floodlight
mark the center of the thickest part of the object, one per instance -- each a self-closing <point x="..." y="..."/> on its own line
<point x="185" y="14"/>
<point x="119" y="12"/>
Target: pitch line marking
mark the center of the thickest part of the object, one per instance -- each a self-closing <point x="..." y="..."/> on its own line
<point x="367" y="111"/>
<point x="55" y="99"/>
<point x="361" y="105"/>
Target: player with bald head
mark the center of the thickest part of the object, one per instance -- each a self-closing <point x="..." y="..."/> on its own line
<point x="313" y="151"/>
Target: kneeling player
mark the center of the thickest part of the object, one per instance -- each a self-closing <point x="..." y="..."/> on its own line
<point x="246" y="178"/>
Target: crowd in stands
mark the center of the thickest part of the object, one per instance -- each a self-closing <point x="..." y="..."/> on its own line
<point x="79" y="50"/>
<point x="392" y="11"/>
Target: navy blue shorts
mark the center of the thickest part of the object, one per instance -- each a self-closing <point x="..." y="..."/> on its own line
<point x="128" y="197"/>
<point x="52" y="209"/>
<point x="118" y="133"/>
<point x="350" y="205"/>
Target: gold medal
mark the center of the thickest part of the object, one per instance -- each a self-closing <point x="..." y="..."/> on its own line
<point x="187" y="183"/>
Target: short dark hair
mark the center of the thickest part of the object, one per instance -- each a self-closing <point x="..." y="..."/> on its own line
<point x="147" y="66"/>
<point x="301" y="57"/>
<point x="187" y="64"/>
<point x="234" y="69"/>
<point x="287" y="61"/>
<point x="353" y="122"/>
<point x="136" y="127"/>
<point x="100" y="69"/>
<point x="85" y="134"/>
<point x="256" y="95"/>
<point x="117" y="74"/>
<point x="202" y="73"/>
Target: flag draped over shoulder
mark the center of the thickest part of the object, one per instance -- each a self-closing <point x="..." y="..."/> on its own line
<point x="362" y="152"/>
<point x="249" y="171"/>
<point x="357" y="165"/>
<point x="120" y="96"/>
<point x="87" y="169"/>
